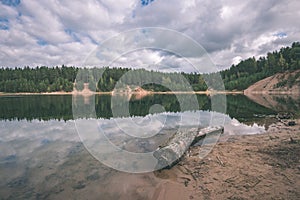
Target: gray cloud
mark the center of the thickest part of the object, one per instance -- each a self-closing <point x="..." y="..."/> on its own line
<point x="65" y="32"/>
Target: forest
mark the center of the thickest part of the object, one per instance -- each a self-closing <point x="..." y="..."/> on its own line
<point x="249" y="71"/>
<point x="36" y="80"/>
<point x="237" y="77"/>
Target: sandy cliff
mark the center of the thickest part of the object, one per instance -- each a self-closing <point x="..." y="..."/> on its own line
<point x="280" y="83"/>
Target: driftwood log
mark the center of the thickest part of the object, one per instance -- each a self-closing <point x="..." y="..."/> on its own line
<point x="169" y="154"/>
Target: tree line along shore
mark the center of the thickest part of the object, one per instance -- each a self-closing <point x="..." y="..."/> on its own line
<point x="43" y="79"/>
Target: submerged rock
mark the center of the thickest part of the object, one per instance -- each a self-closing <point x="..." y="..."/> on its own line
<point x="281" y="116"/>
<point x="291" y="123"/>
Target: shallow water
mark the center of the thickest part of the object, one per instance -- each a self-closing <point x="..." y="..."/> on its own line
<point x="42" y="154"/>
<point x="47" y="159"/>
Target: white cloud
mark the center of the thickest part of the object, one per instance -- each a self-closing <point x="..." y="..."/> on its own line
<point x="65" y="32"/>
<point x="236" y="60"/>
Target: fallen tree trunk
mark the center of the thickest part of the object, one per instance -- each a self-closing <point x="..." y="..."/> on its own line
<point x="170" y="153"/>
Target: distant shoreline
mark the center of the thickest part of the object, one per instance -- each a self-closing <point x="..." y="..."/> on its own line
<point x="119" y="93"/>
<point x="279" y="92"/>
<point x="247" y="93"/>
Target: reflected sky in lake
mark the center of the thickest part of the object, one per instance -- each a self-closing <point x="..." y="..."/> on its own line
<point x="42" y="154"/>
<point x="35" y="153"/>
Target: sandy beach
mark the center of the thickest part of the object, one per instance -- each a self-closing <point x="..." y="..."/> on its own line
<point x="265" y="166"/>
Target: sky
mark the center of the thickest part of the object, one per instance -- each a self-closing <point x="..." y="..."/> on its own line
<point x="55" y="32"/>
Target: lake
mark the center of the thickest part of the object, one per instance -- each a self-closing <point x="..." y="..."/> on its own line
<point x="42" y="155"/>
<point x="59" y="107"/>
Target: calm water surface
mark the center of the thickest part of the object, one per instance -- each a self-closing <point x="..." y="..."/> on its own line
<point x="42" y="156"/>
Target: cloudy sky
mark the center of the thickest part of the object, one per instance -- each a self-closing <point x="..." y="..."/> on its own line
<point x="56" y="32"/>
